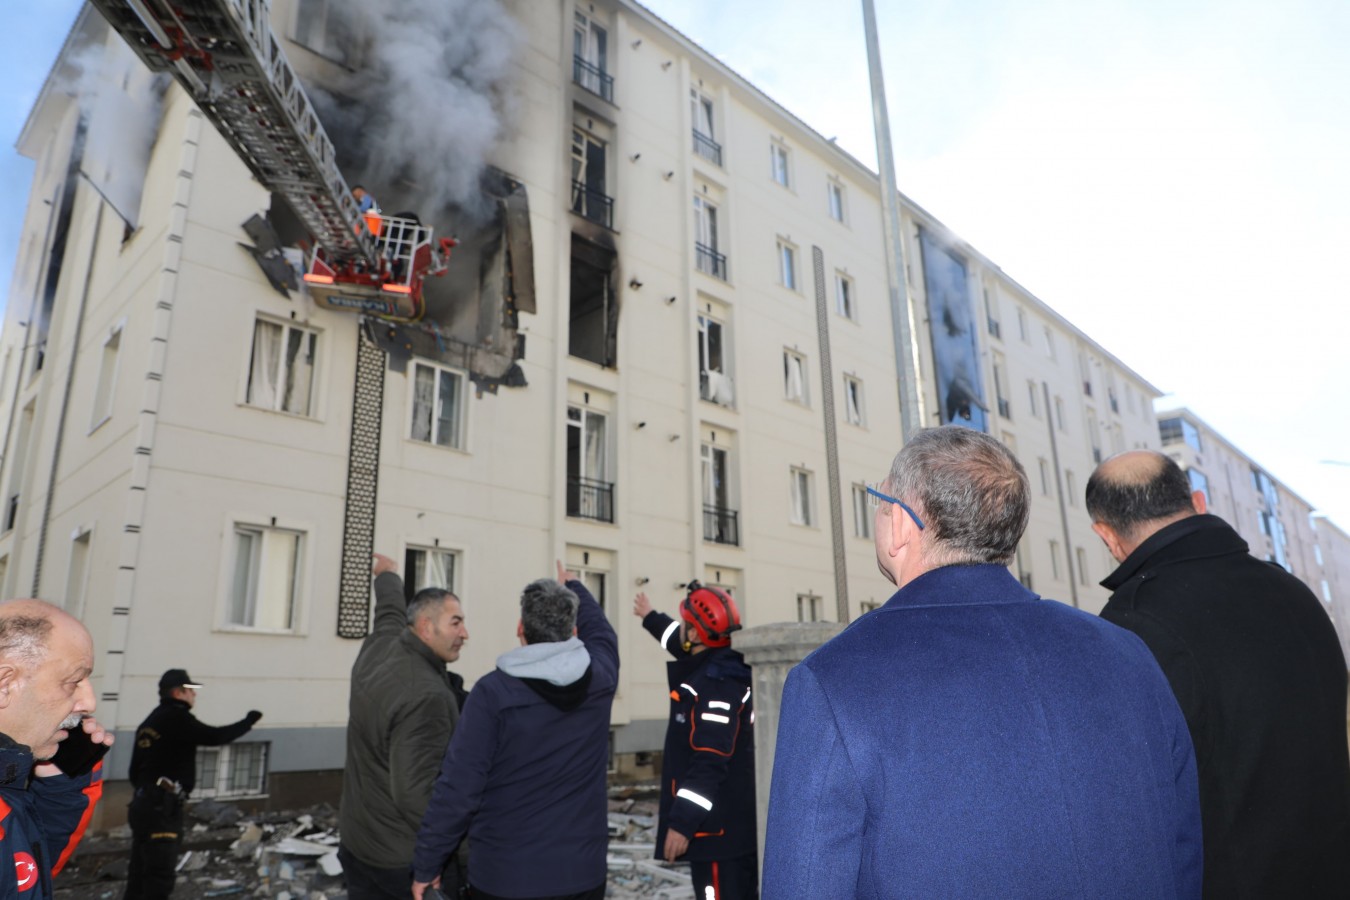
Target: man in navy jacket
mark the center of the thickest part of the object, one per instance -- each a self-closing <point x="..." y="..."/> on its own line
<point x="970" y="739"/>
<point x="524" y="775"/>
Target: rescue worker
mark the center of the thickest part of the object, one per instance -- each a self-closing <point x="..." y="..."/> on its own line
<point x="707" y="812"/>
<point x="163" y="774"/>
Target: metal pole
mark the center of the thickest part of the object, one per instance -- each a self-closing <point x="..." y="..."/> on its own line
<point x="906" y="364"/>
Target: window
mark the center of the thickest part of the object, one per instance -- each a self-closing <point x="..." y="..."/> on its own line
<point x="590" y="495"/>
<point x="589" y="199"/>
<point x="425" y="567"/>
<point x="707" y="259"/>
<point x="843" y="296"/>
<point x="1085" y="372"/>
<point x="1200" y="483"/>
<point x="1178" y="430"/>
<point x="1031" y="399"/>
<point x="787" y="265"/>
<point x="1081" y="556"/>
<point x="593" y="323"/>
<point x="779" y="163"/>
<point x="714" y="383"/>
<point x="1022" y="325"/>
<point x="801" y="512"/>
<point x="316" y="27"/>
<point x="1071" y="487"/>
<point x="1054" y="559"/>
<point x="1004" y="407"/>
<point x="835" y="193"/>
<point x="991" y="315"/>
<point x="705" y="143"/>
<point x="794" y="377"/>
<point x="1059" y="413"/>
<point x="107" y="379"/>
<point x="862" y="515"/>
<point x="281" y="372"/>
<point x="853" y="400"/>
<point x="437" y="405"/>
<point x="77" y="574"/>
<point x="590" y="57"/>
<point x="719" y="519"/>
<point x="266" y="575"/>
<point x="1045" y="475"/>
<point x="231" y="770"/>
<point x="1049" y="341"/>
<point x="808" y="608"/>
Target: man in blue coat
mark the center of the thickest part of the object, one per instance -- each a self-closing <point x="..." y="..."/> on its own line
<point x="970" y="739"/>
<point x="524" y="775"/>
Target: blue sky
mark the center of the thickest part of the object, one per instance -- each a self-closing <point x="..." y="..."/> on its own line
<point x="1171" y="177"/>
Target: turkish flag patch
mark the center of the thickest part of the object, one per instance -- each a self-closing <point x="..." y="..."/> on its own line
<point x="25" y="871"/>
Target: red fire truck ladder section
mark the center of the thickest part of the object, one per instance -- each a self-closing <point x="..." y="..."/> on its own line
<point x="225" y="55"/>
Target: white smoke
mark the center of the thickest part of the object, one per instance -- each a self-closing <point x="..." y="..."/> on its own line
<point x="428" y="100"/>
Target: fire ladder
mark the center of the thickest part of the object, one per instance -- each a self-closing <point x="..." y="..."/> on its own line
<point x="226" y="56"/>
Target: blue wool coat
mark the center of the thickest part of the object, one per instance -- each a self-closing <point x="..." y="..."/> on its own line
<point x="970" y="739"/>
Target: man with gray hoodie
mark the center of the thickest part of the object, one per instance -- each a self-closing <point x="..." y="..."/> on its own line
<point x="524" y="775"/>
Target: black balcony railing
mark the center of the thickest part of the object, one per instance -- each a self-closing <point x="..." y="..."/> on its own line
<point x="710" y="262"/>
<point x="592" y="204"/>
<point x="707" y="148"/>
<point x="588" y="498"/>
<point x="593" y="78"/>
<point x="720" y="526"/>
<point x="995" y="328"/>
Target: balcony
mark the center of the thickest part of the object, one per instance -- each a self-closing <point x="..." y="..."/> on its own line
<point x="720" y="527"/>
<point x="593" y="78"/>
<point x="592" y="204"/>
<point x="588" y="498"/>
<point x="707" y="148"/>
<point x="710" y="262"/>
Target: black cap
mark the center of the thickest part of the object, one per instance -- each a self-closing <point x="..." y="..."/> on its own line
<point x="177" y="678"/>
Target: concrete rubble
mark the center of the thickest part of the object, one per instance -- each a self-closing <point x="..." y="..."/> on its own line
<point x="293" y="856"/>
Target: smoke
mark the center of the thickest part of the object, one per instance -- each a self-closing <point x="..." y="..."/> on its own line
<point x="428" y="100"/>
<point x="121" y="102"/>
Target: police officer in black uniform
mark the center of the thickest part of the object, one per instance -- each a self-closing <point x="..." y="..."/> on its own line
<point x="707" y="812"/>
<point x="163" y="773"/>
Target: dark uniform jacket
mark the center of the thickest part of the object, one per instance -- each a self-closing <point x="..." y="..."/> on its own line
<point x="41" y="821"/>
<point x="1256" y="667"/>
<point x="167" y="741"/>
<point x="708" y="767"/>
<point x="402" y="711"/>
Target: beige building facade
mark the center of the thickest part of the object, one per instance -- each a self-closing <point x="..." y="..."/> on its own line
<point x="699" y="385"/>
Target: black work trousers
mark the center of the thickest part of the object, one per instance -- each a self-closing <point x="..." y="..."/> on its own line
<point x="726" y="879"/>
<point x="156" y="819"/>
<point x="366" y="882"/>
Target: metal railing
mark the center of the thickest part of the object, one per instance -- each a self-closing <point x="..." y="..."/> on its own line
<point x="588" y="498"/>
<point x="710" y="262"/>
<point x="707" y="148"/>
<point x="593" y="78"/>
<point x="720" y="526"/>
<point x="591" y="204"/>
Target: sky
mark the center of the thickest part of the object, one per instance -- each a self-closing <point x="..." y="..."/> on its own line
<point x="1172" y="177"/>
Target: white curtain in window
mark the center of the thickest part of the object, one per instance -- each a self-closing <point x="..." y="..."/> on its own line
<point x="447" y="411"/>
<point x="595" y="446"/>
<point x="424" y="395"/>
<point x="276" y="580"/>
<point x="709" y="478"/>
<point x="262" y="376"/>
<point x="246" y="546"/>
<point x="795" y="379"/>
<point x="438" y="570"/>
<point x="702" y="115"/>
<point x="705" y="223"/>
<point x="299" y="371"/>
<point x="798" y="482"/>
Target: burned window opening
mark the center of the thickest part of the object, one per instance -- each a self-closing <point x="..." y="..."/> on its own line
<point x="593" y="305"/>
<point x="56" y="255"/>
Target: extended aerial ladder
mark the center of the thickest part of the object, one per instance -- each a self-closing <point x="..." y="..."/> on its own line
<point x="226" y="56"/>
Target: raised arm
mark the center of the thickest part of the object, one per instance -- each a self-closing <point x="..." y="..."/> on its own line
<point x="661" y="626"/>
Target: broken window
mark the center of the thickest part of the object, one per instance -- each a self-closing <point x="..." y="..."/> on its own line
<point x="266" y="569"/>
<point x="319" y="27"/>
<point x="843" y="295"/>
<point x="594" y="319"/>
<point x="708" y="260"/>
<point x="281" y="371"/>
<point x="714" y="384"/>
<point x="705" y="143"/>
<point x="589" y="199"/>
<point x="853" y="400"/>
<point x="589" y="494"/>
<point x="590" y="57"/>
<point x="428" y="567"/>
<point x="800" y="484"/>
<point x="438" y="405"/>
<point x="719" y="519"/>
<point x="794" y="377"/>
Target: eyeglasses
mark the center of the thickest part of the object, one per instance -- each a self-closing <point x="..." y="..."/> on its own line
<point x="874" y="498"/>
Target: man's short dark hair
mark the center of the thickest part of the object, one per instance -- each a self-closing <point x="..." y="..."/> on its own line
<point x="548" y="610"/>
<point x="1125" y="499"/>
<point x="424" y="600"/>
<point x="970" y="490"/>
<point x="24" y="638"/>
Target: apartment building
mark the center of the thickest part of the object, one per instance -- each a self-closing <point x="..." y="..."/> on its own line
<point x="666" y="355"/>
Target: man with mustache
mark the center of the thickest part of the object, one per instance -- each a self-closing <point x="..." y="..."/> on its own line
<point x="51" y="747"/>
<point x="163" y="773"/>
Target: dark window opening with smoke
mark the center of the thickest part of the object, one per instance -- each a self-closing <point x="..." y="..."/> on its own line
<point x="594" y="312"/>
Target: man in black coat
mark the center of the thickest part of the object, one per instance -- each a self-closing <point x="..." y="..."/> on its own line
<point x="163" y="774"/>
<point x="1257" y="670"/>
<point x="707" y="811"/>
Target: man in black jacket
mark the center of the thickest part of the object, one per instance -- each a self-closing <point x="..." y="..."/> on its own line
<point x="1257" y="670"/>
<point x="707" y="809"/>
<point x="163" y="774"/>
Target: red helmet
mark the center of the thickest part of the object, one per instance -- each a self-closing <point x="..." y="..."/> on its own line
<point x="713" y="614"/>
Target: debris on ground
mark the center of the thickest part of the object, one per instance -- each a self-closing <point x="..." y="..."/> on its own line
<point x="293" y="855"/>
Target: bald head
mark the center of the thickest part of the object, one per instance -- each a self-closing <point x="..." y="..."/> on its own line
<point x="1134" y="494"/>
<point x="46" y="657"/>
